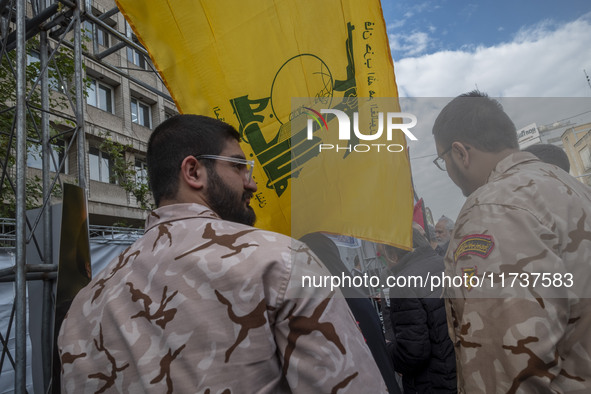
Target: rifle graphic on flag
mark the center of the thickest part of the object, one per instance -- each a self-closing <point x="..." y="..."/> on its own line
<point x="245" y="62"/>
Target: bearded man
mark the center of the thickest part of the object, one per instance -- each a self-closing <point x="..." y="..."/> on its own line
<point x="204" y="302"/>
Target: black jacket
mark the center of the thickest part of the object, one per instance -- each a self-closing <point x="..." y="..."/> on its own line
<point x="421" y="351"/>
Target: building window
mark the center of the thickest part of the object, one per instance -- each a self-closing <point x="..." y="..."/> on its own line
<point x="586" y="157"/>
<point x="100" y="165"/>
<point x="35" y="160"/>
<point x="141" y="113"/>
<point x="33" y="58"/>
<point x="102" y="37"/>
<point x="141" y="172"/>
<point x="87" y="29"/>
<point x="100" y="96"/>
<point x="135" y="57"/>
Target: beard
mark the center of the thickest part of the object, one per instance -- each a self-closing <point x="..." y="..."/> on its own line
<point x="459" y="178"/>
<point x="227" y="203"/>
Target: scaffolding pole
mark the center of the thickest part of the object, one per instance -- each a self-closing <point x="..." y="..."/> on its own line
<point x="79" y="98"/>
<point x="47" y="258"/>
<point x="50" y="21"/>
<point x="21" y="165"/>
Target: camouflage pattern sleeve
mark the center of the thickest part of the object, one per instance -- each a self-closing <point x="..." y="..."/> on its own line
<point x="511" y="335"/>
<point x="321" y="346"/>
<point x="202" y="305"/>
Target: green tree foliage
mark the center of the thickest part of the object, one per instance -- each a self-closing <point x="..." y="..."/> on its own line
<point x="62" y="86"/>
<point x="125" y="173"/>
<point x="62" y="90"/>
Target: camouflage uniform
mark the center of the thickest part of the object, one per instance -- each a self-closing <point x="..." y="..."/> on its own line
<point x="202" y="305"/>
<point x="530" y="217"/>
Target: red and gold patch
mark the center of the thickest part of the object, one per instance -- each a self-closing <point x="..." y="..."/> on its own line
<point x="480" y="245"/>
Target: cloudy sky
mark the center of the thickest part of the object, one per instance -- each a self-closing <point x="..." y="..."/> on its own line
<point x="523" y="48"/>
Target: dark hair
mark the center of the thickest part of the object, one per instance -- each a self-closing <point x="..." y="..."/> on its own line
<point x="179" y="137"/>
<point x="549" y="153"/>
<point x="478" y="120"/>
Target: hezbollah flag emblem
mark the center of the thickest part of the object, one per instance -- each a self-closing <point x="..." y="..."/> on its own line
<point x="245" y="62"/>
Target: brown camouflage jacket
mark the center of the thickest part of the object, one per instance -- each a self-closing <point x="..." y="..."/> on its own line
<point x="523" y="325"/>
<point x="202" y="305"/>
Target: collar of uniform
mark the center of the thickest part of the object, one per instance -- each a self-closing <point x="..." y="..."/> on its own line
<point x="170" y="213"/>
<point x="509" y="162"/>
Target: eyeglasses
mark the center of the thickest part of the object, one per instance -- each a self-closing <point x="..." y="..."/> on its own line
<point x="439" y="162"/>
<point x="243" y="165"/>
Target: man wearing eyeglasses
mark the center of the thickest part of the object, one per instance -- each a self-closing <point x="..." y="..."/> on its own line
<point x="521" y="321"/>
<point x="205" y="303"/>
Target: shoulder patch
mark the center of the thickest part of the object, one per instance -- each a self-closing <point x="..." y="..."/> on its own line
<point x="467" y="274"/>
<point x="480" y="245"/>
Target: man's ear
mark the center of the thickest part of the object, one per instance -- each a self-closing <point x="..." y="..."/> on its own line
<point x="462" y="152"/>
<point x="193" y="173"/>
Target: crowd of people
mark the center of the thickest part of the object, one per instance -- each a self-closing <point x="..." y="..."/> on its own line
<point x="204" y="302"/>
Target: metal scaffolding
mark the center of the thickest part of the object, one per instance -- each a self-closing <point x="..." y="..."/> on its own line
<point x="56" y="25"/>
<point x="21" y="22"/>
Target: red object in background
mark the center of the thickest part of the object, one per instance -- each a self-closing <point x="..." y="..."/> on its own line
<point x="417" y="215"/>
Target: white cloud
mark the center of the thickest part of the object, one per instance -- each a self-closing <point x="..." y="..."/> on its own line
<point x="535" y="32"/>
<point x="396" y="25"/>
<point x="411" y="44"/>
<point x="539" y="62"/>
<point x="424" y="6"/>
<point x="415" y="9"/>
<point x="544" y="60"/>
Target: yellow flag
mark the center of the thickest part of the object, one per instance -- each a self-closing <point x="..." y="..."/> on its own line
<point x="245" y="62"/>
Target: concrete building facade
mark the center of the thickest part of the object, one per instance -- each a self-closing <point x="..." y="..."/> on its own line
<point x="576" y="141"/>
<point x="125" y="100"/>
